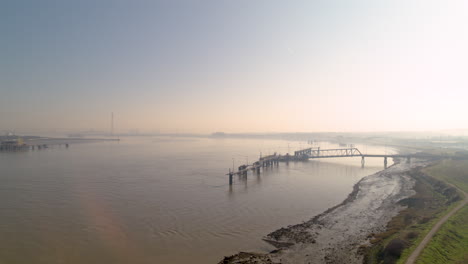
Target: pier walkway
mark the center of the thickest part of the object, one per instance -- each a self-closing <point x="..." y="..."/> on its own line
<point x="317" y="153"/>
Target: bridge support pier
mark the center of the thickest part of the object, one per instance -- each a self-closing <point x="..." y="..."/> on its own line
<point x="363" y="161"/>
<point x="385" y="162"/>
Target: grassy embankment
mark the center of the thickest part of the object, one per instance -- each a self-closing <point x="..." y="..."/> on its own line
<point x="432" y="200"/>
<point x="450" y="243"/>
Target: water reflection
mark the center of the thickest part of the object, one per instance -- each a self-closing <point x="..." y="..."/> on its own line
<point x="163" y="196"/>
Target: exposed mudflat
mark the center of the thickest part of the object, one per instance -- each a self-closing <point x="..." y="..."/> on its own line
<point x="335" y="235"/>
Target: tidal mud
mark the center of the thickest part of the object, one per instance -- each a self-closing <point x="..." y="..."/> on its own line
<point x="335" y="235"/>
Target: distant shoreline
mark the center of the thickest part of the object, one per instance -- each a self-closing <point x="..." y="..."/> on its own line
<point x="38" y="140"/>
<point x="55" y="141"/>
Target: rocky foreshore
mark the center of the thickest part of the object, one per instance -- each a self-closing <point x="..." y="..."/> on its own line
<point x="336" y="235"/>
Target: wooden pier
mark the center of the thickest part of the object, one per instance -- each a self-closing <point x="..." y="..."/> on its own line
<point x="263" y="162"/>
<point x="12" y="146"/>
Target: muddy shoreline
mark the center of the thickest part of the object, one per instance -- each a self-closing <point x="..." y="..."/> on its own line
<point x="336" y="235"/>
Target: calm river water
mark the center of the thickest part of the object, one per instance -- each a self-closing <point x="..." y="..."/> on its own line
<point x="159" y="199"/>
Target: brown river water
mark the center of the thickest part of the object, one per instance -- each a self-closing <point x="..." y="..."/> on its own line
<point x="160" y="199"/>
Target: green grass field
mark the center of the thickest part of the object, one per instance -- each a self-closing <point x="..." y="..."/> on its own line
<point x="432" y="199"/>
<point x="451" y="171"/>
<point x="450" y="244"/>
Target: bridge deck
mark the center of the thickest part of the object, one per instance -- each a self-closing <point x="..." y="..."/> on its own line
<point x="372" y="156"/>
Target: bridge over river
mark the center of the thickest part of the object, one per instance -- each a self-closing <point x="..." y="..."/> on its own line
<point x="317" y="153"/>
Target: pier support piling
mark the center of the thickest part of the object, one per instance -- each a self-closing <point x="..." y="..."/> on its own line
<point x="230" y="176"/>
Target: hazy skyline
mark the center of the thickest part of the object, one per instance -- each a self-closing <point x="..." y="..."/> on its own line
<point x="233" y="66"/>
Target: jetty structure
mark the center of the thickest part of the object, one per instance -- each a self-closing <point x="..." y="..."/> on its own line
<point x="13" y="145"/>
<point x="16" y="143"/>
<point x="317" y="153"/>
<point x="263" y="162"/>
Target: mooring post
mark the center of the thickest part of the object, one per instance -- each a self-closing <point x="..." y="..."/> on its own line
<point x="230" y="176"/>
<point x="408" y="159"/>
<point x="385" y="162"/>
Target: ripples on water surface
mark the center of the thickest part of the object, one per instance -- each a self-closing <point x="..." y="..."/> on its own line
<point x="159" y="200"/>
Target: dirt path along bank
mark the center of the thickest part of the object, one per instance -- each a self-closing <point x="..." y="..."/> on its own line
<point x="415" y="254"/>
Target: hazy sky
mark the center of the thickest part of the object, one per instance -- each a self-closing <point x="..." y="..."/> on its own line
<point x="233" y="65"/>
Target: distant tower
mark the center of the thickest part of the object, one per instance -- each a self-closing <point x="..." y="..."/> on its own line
<point x="112" y="124"/>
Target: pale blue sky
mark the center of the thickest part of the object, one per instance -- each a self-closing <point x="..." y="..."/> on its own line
<point x="234" y="66"/>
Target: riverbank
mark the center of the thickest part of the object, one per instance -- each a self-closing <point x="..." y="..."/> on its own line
<point x="445" y="240"/>
<point x="337" y="235"/>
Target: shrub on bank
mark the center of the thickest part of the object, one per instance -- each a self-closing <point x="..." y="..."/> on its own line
<point x="394" y="249"/>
